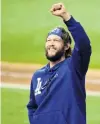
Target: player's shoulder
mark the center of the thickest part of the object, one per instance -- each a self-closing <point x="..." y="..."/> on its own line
<point x="40" y="72"/>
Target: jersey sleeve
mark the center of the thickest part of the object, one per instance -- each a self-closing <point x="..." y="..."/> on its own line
<point x="82" y="49"/>
<point x="31" y="106"/>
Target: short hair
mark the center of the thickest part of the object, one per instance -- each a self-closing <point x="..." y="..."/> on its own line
<point x="65" y="35"/>
<point x="67" y="39"/>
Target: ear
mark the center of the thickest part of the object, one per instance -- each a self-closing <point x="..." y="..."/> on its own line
<point x="67" y="46"/>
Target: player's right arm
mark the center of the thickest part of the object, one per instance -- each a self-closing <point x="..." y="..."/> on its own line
<point x="31" y="106"/>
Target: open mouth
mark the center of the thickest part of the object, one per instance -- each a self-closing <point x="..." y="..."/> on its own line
<point x="51" y="48"/>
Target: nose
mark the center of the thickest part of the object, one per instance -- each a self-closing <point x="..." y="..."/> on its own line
<point x="51" y="42"/>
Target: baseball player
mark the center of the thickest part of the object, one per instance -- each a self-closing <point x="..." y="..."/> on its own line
<point x="57" y="92"/>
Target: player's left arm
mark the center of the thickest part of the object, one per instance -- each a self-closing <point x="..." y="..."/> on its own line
<point x="82" y="49"/>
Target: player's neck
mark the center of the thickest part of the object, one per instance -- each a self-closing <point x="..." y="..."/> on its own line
<point x="56" y="62"/>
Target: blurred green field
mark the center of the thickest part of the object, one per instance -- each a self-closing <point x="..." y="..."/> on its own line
<point x="25" y="24"/>
<point x="13" y="107"/>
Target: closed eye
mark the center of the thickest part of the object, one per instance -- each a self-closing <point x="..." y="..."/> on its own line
<point x="53" y="40"/>
<point x="48" y="40"/>
<point x="56" y="40"/>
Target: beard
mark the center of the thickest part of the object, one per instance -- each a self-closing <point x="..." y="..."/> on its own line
<point x="55" y="57"/>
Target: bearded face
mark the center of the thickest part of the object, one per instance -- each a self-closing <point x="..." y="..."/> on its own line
<point x="54" y="48"/>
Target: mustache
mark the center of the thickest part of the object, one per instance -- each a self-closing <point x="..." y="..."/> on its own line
<point x="49" y="47"/>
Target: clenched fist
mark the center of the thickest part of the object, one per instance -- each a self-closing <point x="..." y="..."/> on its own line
<point x="60" y="10"/>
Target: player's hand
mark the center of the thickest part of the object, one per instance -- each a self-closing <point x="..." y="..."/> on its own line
<point x="60" y="10"/>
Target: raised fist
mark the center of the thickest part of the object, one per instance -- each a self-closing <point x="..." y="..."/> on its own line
<point x="60" y="10"/>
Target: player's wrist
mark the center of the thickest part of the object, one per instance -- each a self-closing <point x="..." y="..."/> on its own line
<point x="66" y="16"/>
